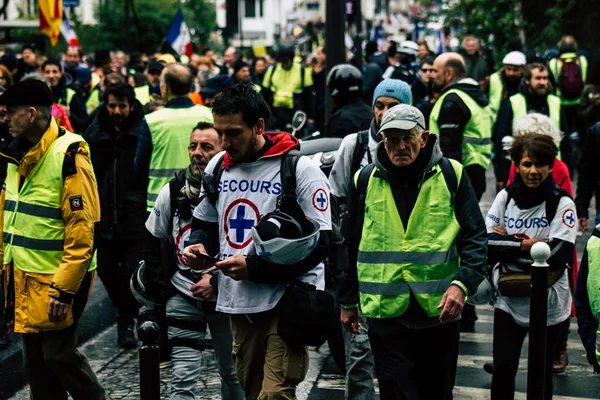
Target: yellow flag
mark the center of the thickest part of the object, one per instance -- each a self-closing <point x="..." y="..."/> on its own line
<point x="51" y="13"/>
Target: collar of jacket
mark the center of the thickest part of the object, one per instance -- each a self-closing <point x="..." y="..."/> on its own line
<point x="38" y="150"/>
<point x="180" y="102"/>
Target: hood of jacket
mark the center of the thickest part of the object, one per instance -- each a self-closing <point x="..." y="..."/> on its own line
<point x="282" y="142"/>
<point x="470" y="87"/>
<point x="431" y="151"/>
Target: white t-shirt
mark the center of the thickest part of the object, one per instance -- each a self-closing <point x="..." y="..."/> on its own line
<point x="339" y="177"/>
<point x="529" y="224"/>
<point x="247" y="191"/>
<point x="158" y="225"/>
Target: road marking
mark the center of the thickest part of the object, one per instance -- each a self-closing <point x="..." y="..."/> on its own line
<point x="573" y="344"/>
<point x="469" y="393"/>
<point x="468" y="361"/>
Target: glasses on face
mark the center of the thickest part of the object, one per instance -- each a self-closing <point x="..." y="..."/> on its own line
<point x="428" y="70"/>
<point x="396" y="141"/>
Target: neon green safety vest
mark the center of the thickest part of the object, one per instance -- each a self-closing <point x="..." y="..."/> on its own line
<point x="394" y="261"/>
<point x="93" y="101"/>
<point x="34" y="229"/>
<point x="555" y="66"/>
<point x="69" y="97"/>
<point x="142" y="94"/>
<point x="477" y="137"/>
<point x="286" y="83"/>
<point x="593" y="282"/>
<point x="519" y="107"/>
<point x="496" y="93"/>
<point x="170" y="130"/>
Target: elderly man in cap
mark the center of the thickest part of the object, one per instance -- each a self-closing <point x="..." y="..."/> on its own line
<point x="415" y="256"/>
<point x="50" y="207"/>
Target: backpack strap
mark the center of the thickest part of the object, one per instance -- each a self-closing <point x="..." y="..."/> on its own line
<point x="552" y="203"/>
<point x="289" y="163"/>
<point x="361" y="188"/>
<point x="175" y="185"/>
<point x="301" y="77"/>
<point x="210" y="183"/>
<point x="362" y="146"/>
<point x="450" y="177"/>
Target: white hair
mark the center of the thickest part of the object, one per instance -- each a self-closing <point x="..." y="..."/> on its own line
<point x="537" y="123"/>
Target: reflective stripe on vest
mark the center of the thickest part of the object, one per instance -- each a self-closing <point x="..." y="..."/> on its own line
<point x="34" y="229"/>
<point x="555" y="69"/>
<point x="593" y="282"/>
<point x="142" y="94"/>
<point x="496" y="93"/>
<point x="394" y="261"/>
<point x="518" y="103"/>
<point x="170" y="130"/>
<point x="477" y="136"/>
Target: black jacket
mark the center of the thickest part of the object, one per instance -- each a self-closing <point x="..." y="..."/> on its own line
<point x="77" y="111"/>
<point x="350" y="118"/>
<point x="588" y="176"/>
<point x="455" y="115"/>
<point x="472" y="239"/>
<point x="122" y="196"/>
<point x="421" y="91"/>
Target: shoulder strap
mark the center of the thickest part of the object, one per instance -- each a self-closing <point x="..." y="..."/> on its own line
<point x="361" y="188"/>
<point x="175" y="185"/>
<point x="289" y="162"/>
<point x="450" y="177"/>
<point x="210" y="183"/>
<point x="552" y="204"/>
<point x="69" y="166"/>
<point x="362" y="146"/>
<point x="301" y="77"/>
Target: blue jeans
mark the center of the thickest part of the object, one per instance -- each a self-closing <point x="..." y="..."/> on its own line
<point x="186" y="361"/>
<point x="359" y="363"/>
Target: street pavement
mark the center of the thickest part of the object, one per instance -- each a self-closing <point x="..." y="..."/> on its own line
<point x="118" y="370"/>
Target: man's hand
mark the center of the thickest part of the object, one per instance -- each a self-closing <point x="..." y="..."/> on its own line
<point x="349" y="317"/>
<point x="57" y="310"/>
<point x="500" y="230"/>
<point x="527" y="244"/>
<point x="234" y="267"/>
<point x="582" y="224"/>
<point x="190" y="258"/>
<point x="203" y="288"/>
<point x="452" y="303"/>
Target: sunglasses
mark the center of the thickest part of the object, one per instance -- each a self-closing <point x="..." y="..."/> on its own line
<point x="426" y="70"/>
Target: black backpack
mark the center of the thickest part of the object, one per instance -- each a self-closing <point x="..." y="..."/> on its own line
<point x="570" y="80"/>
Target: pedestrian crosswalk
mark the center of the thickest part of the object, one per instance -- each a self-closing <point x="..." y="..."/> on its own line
<point x="472" y="382"/>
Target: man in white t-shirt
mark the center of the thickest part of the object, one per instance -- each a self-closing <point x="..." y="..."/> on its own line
<point x="250" y="287"/>
<point x="187" y="314"/>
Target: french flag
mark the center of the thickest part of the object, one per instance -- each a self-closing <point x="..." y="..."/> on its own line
<point x="66" y="29"/>
<point x="179" y="36"/>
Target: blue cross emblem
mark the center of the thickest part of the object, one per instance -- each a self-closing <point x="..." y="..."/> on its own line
<point x="570" y="218"/>
<point x="321" y="200"/>
<point x="240" y="224"/>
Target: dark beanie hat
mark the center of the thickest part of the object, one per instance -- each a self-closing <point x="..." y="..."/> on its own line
<point x="239" y="64"/>
<point x="28" y="92"/>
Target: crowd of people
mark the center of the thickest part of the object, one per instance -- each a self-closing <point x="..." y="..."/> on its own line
<point x="176" y="180"/>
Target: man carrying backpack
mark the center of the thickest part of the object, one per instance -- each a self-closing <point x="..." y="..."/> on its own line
<point x="569" y="71"/>
<point x="169" y="287"/>
<point x="417" y="250"/>
<point x="267" y="215"/>
<point x="356" y="151"/>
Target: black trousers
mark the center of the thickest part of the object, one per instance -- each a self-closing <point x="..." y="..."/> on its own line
<point x="117" y="260"/>
<point x="476" y="174"/>
<point x="508" y="341"/>
<point x="413" y="364"/>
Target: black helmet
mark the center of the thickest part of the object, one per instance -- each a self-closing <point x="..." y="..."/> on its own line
<point x="344" y="80"/>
